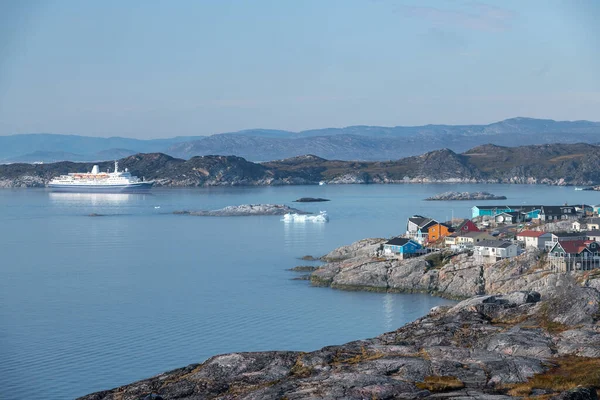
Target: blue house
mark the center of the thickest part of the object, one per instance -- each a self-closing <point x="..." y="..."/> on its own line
<point x="530" y="212"/>
<point x="402" y="247"/>
<point x="480" y="211"/>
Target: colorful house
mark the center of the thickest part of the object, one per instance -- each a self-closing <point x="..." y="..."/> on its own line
<point x="481" y="211"/>
<point x="402" y="247"/>
<point x="417" y="228"/>
<point x="530" y="212"/>
<point x="534" y="239"/>
<point x="574" y="255"/>
<point x="467" y="226"/>
<point x="438" y="231"/>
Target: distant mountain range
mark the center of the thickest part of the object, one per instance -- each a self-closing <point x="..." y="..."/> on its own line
<point x="554" y="164"/>
<point x="361" y="143"/>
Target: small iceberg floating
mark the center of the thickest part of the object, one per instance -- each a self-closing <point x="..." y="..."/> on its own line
<point x="292" y="217"/>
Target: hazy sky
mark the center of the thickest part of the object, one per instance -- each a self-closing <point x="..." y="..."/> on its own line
<point x="151" y="69"/>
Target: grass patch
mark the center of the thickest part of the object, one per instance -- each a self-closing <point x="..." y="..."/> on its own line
<point x="299" y="370"/>
<point x="544" y="320"/>
<point x="437" y="260"/>
<point x="567" y="373"/>
<point x="440" y="383"/>
<point x="363" y="356"/>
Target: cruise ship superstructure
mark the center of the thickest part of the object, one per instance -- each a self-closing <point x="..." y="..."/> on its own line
<point x="96" y="181"/>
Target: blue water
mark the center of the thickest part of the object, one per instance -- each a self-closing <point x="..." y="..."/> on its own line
<point x="91" y="303"/>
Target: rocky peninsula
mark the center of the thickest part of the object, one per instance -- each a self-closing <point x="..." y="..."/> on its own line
<point x="451" y="196"/>
<point x="524" y="331"/>
<point x="447" y="274"/>
<point x="245" y="210"/>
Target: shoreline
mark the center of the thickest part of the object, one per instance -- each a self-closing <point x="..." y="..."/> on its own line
<point x="491" y="345"/>
<point x="235" y="185"/>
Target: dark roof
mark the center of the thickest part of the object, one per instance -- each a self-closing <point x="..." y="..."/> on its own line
<point x="591" y="233"/>
<point x="422" y="222"/>
<point x="494" y="243"/>
<point x="595" y="220"/>
<point x="515" y="208"/>
<point x="398" y="241"/>
<point x="557" y="210"/>
<point x="568" y="234"/>
<point x="418" y="220"/>
<point x="428" y="224"/>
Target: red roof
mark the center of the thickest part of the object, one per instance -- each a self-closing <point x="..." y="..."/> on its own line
<point x="531" y="233"/>
<point x="573" y="246"/>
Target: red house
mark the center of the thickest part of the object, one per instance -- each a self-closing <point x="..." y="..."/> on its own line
<point x="466" y="226"/>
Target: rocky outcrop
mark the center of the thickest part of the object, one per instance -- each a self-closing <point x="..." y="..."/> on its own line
<point x="455" y="276"/>
<point x="451" y="196"/>
<point x="486" y="347"/>
<point x="245" y="210"/>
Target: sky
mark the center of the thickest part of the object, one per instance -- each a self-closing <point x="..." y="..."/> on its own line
<point x="150" y="69"/>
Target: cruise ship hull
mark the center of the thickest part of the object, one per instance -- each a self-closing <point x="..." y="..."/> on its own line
<point x="126" y="188"/>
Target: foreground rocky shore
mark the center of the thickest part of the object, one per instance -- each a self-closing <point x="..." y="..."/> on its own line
<point x="534" y="333"/>
<point x="487" y="347"/>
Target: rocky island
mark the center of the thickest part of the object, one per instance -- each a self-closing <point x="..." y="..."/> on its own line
<point x="523" y="331"/>
<point x="310" y="200"/>
<point x="245" y="210"/>
<point x="451" y="196"/>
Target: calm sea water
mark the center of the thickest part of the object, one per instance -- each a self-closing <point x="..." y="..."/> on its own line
<point x="90" y="303"/>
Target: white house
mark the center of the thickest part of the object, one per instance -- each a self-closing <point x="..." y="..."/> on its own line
<point x="468" y="239"/>
<point x="534" y="239"/>
<point x="494" y="250"/>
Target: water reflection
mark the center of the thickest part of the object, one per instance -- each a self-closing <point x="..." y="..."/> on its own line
<point x="388" y="311"/>
<point x="95" y="199"/>
<point x="303" y="233"/>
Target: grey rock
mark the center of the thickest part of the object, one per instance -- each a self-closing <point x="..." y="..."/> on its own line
<point x="451" y="196"/>
<point x="245" y="210"/>
<point x="580" y="393"/>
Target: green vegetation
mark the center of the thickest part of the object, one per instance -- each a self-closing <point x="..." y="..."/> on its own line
<point x="440" y="383"/>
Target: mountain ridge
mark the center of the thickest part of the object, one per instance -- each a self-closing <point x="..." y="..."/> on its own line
<point x="357" y="142"/>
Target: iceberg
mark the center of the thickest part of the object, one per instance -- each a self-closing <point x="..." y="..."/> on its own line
<point x="293" y="217"/>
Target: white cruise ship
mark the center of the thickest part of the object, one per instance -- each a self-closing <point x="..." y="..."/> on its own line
<point x="97" y="181"/>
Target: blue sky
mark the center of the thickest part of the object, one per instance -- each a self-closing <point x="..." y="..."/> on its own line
<point x="150" y="69"/>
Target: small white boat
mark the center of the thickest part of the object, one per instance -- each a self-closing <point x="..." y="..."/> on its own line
<point x="578" y="188"/>
<point x="322" y="183"/>
<point x="293" y="217"/>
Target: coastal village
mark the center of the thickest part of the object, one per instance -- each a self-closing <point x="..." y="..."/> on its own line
<point x="568" y="234"/>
